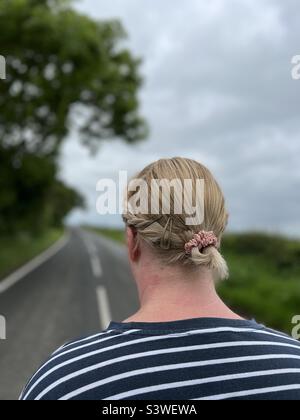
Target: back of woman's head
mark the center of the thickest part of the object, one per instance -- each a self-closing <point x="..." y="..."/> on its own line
<point x="168" y="226"/>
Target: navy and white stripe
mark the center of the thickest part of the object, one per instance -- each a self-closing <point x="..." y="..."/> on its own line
<point x="203" y="358"/>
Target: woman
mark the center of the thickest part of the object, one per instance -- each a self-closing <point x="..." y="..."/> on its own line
<point x="184" y="342"/>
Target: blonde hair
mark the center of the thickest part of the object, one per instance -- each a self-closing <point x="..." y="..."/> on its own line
<point x="167" y="234"/>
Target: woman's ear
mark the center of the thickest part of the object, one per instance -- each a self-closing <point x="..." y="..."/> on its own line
<point x="132" y="244"/>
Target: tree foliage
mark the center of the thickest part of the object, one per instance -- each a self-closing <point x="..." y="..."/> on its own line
<point x="31" y="197"/>
<point x="59" y="61"/>
<point x="64" y="70"/>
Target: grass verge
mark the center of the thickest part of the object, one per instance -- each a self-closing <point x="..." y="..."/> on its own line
<point x="17" y="251"/>
<point x="117" y="235"/>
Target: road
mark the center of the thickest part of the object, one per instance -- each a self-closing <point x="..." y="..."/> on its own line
<point x="73" y="294"/>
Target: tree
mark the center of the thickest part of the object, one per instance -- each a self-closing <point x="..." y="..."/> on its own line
<point x="63" y="69"/>
<point x="31" y="198"/>
<point x="59" y="61"/>
<point x="62" y="199"/>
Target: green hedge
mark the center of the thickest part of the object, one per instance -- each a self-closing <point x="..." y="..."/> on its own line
<point x="264" y="278"/>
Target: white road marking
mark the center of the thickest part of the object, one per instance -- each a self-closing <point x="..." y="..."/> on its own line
<point x="96" y="266"/>
<point x="103" y="306"/>
<point x="94" y="257"/>
<point x="33" y="264"/>
<point x="91" y="247"/>
<point x="101" y="293"/>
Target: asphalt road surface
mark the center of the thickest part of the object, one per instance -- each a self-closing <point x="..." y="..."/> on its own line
<point x="74" y="293"/>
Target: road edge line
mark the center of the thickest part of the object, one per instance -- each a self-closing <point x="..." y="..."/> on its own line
<point x="32" y="265"/>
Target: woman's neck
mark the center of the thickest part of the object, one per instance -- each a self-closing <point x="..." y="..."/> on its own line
<point x="168" y="295"/>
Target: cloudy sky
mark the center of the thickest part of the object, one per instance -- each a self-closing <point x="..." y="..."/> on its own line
<point x="218" y="88"/>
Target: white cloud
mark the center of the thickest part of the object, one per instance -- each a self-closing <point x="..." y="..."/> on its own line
<point x="218" y="88"/>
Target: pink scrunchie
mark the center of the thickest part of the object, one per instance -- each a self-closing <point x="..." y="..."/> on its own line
<point x="201" y="240"/>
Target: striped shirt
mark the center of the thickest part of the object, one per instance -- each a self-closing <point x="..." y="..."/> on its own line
<point x="195" y="359"/>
